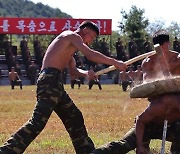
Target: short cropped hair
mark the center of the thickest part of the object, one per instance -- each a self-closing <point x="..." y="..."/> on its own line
<point x="160" y="37"/>
<point x="90" y="25"/>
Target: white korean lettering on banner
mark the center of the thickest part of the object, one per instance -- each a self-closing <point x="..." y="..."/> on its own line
<point x="99" y="24"/>
<point x="42" y="26"/>
<point x="21" y="25"/>
<point x="31" y="26"/>
<point x="52" y="26"/>
<point x="67" y="25"/>
<point x="76" y="25"/>
<point x="104" y="26"/>
<point x="5" y="26"/>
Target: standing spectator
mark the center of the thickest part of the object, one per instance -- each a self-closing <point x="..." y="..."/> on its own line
<point x="23" y="47"/>
<point x="14" y="78"/>
<point x="133" y="51"/>
<point x="32" y="72"/>
<point x="25" y="53"/>
<point x="14" y="61"/>
<point x="132" y="47"/>
<point x="176" y="45"/>
<point x="120" y="50"/>
<point x="8" y="52"/>
<point x="105" y="48"/>
<point x="18" y="69"/>
<point x="147" y="46"/>
<point x="38" y="51"/>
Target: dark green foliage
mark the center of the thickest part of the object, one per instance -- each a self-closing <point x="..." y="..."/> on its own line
<point x="26" y="8"/>
<point x="134" y="25"/>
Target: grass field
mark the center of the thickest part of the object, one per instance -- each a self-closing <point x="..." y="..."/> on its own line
<point x="108" y="115"/>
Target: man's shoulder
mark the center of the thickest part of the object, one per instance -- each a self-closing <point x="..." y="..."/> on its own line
<point x="12" y="72"/>
<point x="175" y="54"/>
<point x="67" y="33"/>
<point x="149" y="60"/>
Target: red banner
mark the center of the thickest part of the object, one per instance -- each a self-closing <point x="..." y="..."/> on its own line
<point x="48" y="26"/>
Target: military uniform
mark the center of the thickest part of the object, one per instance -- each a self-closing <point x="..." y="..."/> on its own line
<point x="51" y="96"/>
<point x="152" y="131"/>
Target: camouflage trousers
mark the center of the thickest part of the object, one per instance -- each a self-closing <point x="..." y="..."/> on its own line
<point x="51" y="96"/>
<point x="152" y="131"/>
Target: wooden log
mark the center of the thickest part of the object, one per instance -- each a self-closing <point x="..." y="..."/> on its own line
<point x="128" y="62"/>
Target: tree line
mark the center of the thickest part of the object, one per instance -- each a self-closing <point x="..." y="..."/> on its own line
<point x="26" y="8"/>
<point x="133" y="23"/>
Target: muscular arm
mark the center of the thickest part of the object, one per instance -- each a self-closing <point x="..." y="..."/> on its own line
<point x="73" y="70"/>
<point x="17" y="76"/>
<point x="142" y="120"/>
<point x="10" y="76"/>
<point x="153" y="111"/>
<point x="93" y="55"/>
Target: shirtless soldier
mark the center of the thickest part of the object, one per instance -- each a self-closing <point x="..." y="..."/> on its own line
<point x="14" y="78"/>
<point x="138" y="79"/>
<point x="124" y="80"/>
<point x="51" y="95"/>
<point x="149" y="124"/>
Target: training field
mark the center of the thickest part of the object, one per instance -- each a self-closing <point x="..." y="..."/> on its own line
<point x="108" y="114"/>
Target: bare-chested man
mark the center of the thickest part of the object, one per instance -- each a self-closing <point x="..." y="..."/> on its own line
<point x="75" y="80"/>
<point x="51" y="95"/>
<point x="138" y="76"/>
<point x="124" y="80"/>
<point x="149" y="124"/>
<point x="131" y="75"/>
<point x="14" y="78"/>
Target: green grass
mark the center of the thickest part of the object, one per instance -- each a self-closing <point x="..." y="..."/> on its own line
<point x="108" y="115"/>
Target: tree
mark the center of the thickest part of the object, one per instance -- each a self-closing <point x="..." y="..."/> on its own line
<point x="174" y="29"/>
<point x="26" y="8"/>
<point x="134" y="24"/>
<point x="155" y="26"/>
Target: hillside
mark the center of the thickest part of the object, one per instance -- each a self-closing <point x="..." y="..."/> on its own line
<point x="26" y="8"/>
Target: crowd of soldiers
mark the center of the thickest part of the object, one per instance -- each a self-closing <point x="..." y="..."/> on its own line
<point x="14" y="62"/>
<point x="123" y="52"/>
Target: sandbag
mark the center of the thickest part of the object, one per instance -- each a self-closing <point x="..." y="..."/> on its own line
<point x="156" y="87"/>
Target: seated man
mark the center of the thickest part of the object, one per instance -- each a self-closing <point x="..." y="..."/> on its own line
<point x="95" y="81"/>
<point x="131" y="75"/>
<point x="138" y="79"/>
<point x="124" y="80"/>
<point x="149" y="124"/>
<point x="75" y="80"/>
<point x="14" y="78"/>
